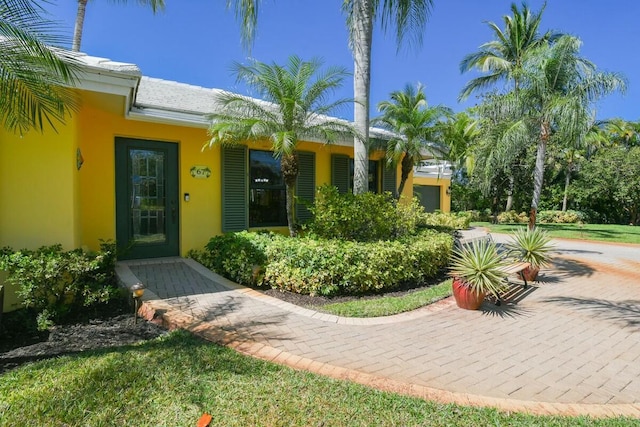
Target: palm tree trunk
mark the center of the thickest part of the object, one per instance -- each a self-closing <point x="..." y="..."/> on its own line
<point x="509" y="205"/>
<point x="77" y="31"/>
<point x="567" y="180"/>
<point x="407" y="167"/>
<point x="538" y="175"/>
<point x="290" y="167"/>
<point x="361" y="46"/>
<point x="290" y="190"/>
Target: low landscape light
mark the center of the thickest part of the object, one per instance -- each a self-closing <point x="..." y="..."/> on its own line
<point x="137" y="291"/>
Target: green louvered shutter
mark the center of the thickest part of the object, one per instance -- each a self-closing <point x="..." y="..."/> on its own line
<point x="340" y="172"/>
<point x="388" y="179"/>
<point x="235" y="211"/>
<point x="305" y="185"/>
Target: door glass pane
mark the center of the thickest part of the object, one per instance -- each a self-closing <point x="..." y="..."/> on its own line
<point x="148" y="198"/>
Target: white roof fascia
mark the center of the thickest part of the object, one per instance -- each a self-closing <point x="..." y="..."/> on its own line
<point x="168" y="117"/>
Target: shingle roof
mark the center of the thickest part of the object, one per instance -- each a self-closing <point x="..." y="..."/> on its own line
<point x="174" y="96"/>
<point x="97" y="63"/>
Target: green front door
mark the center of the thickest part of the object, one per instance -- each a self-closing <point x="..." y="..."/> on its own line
<point x="147" y="214"/>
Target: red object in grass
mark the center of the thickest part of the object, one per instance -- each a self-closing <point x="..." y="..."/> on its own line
<point x="204" y="420"/>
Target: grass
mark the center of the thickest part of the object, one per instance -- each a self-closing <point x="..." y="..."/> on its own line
<point x="600" y="232"/>
<point x="386" y="306"/>
<point x="173" y="380"/>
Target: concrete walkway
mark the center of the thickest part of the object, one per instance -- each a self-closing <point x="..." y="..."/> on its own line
<point x="569" y="345"/>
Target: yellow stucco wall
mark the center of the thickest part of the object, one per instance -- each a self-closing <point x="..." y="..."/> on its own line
<point x="38" y="188"/>
<point x="199" y="218"/>
<point x="45" y="199"/>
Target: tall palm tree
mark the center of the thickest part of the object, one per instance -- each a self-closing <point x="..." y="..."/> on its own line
<point x="155" y="5"/>
<point x="296" y="108"/>
<point x="415" y="125"/>
<point x="35" y="78"/>
<point x="558" y="90"/>
<point x="501" y="59"/>
<point x="409" y="18"/>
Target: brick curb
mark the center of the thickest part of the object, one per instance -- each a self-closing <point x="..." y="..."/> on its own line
<point x="162" y="313"/>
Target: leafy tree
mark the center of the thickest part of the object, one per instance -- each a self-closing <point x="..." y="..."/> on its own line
<point x="409" y="18"/>
<point x="296" y="107"/>
<point x="610" y="183"/>
<point x="35" y="78"/>
<point x="415" y="124"/>
<point x="155" y="5"/>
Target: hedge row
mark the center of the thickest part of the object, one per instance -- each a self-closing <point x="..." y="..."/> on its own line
<point x="543" y="217"/>
<point x="326" y="267"/>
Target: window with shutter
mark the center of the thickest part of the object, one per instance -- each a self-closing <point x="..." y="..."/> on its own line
<point x="340" y="173"/>
<point x="305" y="186"/>
<point x="235" y="215"/>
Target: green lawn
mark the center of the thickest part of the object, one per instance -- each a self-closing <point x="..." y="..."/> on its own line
<point x="171" y="381"/>
<point x="386" y="306"/>
<point x="600" y="232"/>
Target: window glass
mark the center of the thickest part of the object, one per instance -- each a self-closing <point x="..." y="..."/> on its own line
<point x="267" y="197"/>
<point x="374" y="171"/>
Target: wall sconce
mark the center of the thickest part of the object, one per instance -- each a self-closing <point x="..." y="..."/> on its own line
<point x="137" y="291"/>
<point x="448" y="190"/>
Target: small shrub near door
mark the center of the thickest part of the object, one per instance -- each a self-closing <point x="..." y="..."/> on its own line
<point x="56" y="283"/>
<point x="237" y="256"/>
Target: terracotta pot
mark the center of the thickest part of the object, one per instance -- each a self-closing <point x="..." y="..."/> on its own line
<point x="465" y="298"/>
<point x="530" y="273"/>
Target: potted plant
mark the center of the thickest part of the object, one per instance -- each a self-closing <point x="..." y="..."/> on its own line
<point x="476" y="272"/>
<point x="532" y="246"/>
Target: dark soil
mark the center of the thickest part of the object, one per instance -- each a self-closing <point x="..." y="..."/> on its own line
<point x="109" y="326"/>
<point x="113" y="325"/>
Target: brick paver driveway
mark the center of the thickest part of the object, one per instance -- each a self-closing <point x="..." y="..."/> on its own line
<point x="570" y="344"/>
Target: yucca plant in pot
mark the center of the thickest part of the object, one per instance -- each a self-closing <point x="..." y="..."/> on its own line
<point x="532" y="246"/>
<point x="476" y="272"/>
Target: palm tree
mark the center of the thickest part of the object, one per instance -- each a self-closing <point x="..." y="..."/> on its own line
<point x="557" y="93"/>
<point x="415" y="125"/>
<point x="502" y="59"/>
<point x="459" y="134"/>
<point x="296" y="107"/>
<point x="155" y="5"/>
<point x="409" y="18"/>
<point x="35" y="78"/>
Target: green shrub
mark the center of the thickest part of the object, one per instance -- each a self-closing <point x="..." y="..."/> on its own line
<point x="331" y="267"/>
<point x="237" y="256"/>
<point x="559" y="217"/>
<point x="452" y="221"/>
<point x="363" y="217"/>
<point x="56" y="283"/>
<point x="512" y="217"/>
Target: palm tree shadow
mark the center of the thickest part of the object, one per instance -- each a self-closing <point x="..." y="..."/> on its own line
<point x="626" y="313"/>
<point x="508" y="304"/>
<point x="564" y="268"/>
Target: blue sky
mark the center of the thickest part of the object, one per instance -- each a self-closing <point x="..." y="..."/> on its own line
<point x="196" y="41"/>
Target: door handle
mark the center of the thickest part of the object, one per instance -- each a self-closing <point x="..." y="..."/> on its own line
<point x="174" y="211"/>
